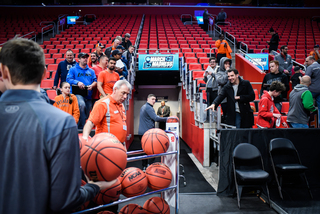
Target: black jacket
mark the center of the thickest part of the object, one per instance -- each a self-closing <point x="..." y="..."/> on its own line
<point x="274" y="42"/>
<point x="269" y="78"/>
<point x="127" y="44"/>
<point x="246" y="94"/>
<point x="108" y="51"/>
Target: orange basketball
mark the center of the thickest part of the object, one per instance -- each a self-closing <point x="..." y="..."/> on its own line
<point x="109" y="195"/>
<point x="157" y="205"/>
<point x="155" y="141"/>
<point x="173" y="119"/>
<point x="103" y="158"/>
<point x="133" y="182"/>
<point x="159" y="176"/>
<point x="132" y="209"/>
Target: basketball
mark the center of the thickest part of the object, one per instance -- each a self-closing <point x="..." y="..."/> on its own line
<point x="159" y="176"/>
<point x="103" y="158"/>
<point x="133" y="182"/>
<point x="132" y="209"/>
<point x="157" y="205"/>
<point x="155" y="141"/>
<point x="109" y="195"/>
<point x="173" y="119"/>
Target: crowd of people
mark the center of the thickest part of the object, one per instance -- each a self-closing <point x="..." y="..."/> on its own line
<point x="225" y="86"/>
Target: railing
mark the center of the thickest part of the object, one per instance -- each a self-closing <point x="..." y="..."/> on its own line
<point x="18" y="36"/>
<point x="43" y="32"/>
<point x="244" y="44"/>
<point x="59" y="24"/>
<point x="245" y="54"/>
<point x="224" y="23"/>
<point x="211" y="50"/>
<point x="234" y="41"/>
<point x="218" y="29"/>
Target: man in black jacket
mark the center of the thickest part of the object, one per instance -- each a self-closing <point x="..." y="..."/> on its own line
<point x="275" y="75"/>
<point x="274" y="41"/>
<point x="239" y="94"/>
<point x="40" y="164"/>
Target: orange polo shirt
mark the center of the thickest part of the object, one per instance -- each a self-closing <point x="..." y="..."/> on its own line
<point x="63" y="104"/>
<point x="115" y="123"/>
<point x="108" y="80"/>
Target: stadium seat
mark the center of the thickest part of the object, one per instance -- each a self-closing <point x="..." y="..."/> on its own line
<point x="51" y="94"/>
<point x="52" y="67"/>
<point x="46" y="83"/>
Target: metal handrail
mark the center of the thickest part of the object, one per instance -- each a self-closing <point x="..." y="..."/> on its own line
<point x="219" y="28"/>
<point x="35" y="37"/>
<point x="293" y="61"/>
<point x="245" y="45"/>
<point x="186" y="15"/>
<point x="212" y="49"/>
<point x="46" y="31"/>
<point x="224" y="23"/>
<point x="48" y="22"/>
<point x="58" y="23"/>
<point x="253" y="60"/>
<point x="190" y="22"/>
<point x="234" y="41"/>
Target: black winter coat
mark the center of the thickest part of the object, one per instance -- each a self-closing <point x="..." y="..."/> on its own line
<point x="246" y="93"/>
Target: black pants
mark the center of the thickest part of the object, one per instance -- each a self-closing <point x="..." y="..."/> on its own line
<point x="145" y="162"/>
<point x="205" y="24"/>
<point x="211" y="95"/>
<point x="219" y="56"/>
<point x="162" y="125"/>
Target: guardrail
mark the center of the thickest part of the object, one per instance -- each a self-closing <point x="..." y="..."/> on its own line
<point x="234" y="41"/>
<point x="212" y="49"/>
<point x="43" y="32"/>
<point x="240" y="47"/>
<point x="18" y="36"/>
<point x="60" y="16"/>
<point x="295" y="62"/>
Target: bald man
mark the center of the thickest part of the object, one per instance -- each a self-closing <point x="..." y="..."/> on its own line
<point x="301" y="104"/>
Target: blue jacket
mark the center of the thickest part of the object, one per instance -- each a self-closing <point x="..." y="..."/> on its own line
<point x="125" y="70"/>
<point x="147" y="118"/>
<point x="86" y="76"/>
<point x="40" y="158"/>
<point x="62" y="71"/>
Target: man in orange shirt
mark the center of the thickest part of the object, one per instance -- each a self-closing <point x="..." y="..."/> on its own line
<point x="108" y="78"/>
<point x="315" y="53"/>
<point x="224" y="49"/>
<point x="109" y="113"/>
<point x="103" y="64"/>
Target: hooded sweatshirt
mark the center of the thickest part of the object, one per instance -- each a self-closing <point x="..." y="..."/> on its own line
<point x="86" y="76"/>
<point x="210" y="80"/>
<point x="301" y="103"/>
<point x="222" y="75"/>
<point x="266" y="110"/>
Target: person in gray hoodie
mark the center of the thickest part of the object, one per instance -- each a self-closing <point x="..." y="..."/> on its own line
<point x="222" y="79"/>
<point x="301" y="104"/>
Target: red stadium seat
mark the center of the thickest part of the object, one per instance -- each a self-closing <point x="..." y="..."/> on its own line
<point x="49" y="61"/>
<point x="195" y="66"/>
<point x="51" y="94"/>
<point x="52" y="67"/>
<point x="46" y="83"/>
<point x="285" y="107"/>
<point x="191" y="60"/>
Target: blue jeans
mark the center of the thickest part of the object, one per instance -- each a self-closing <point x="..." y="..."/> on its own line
<point x="316" y="96"/>
<point x="85" y="106"/>
<point x="299" y="125"/>
<point x="238" y="120"/>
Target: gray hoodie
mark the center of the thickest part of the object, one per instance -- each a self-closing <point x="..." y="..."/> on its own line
<point x="210" y="80"/>
<point x="222" y="75"/>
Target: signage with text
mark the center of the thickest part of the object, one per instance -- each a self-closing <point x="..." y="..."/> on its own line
<point x="258" y="60"/>
<point x="159" y="62"/>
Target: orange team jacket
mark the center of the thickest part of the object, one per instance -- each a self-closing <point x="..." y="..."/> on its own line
<point x="221" y="49"/>
<point x="109" y="116"/>
<point x="108" y="80"/>
<point x="314" y="54"/>
<point x="63" y="104"/>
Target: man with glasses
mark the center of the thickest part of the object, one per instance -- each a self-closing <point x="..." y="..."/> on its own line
<point x="285" y="61"/>
<point x="211" y="81"/>
<point x="83" y="77"/>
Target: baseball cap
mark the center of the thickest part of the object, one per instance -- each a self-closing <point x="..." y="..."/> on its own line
<point x="316" y="46"/>
<point x="115" y="52"/>
<point x="82" y="55"/>
<point x="100" y="45"/>
<point x="297" y="68"/>
<point x="120" y="47"/>
<point x="127" y="35"/>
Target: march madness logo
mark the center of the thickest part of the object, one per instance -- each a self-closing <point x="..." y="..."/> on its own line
<point x="158" y="62"/>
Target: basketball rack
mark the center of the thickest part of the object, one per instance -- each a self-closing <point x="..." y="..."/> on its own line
<point x="142" y="157"/>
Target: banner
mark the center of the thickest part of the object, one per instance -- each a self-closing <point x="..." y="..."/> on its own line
<point x="258" y="60"/>
<point x="159" y="62"/>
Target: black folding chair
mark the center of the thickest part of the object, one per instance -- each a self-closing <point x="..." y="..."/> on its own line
<point x="286" y="161"/>
<point x="248" y="170"/>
